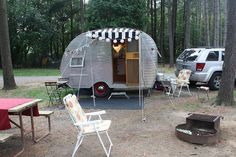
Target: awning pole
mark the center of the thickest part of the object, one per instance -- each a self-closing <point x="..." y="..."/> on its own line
<point x="141" y="84"/>
<point x="91" y="70"/>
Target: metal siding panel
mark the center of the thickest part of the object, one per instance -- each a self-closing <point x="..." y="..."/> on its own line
<point x="149" y="61"/>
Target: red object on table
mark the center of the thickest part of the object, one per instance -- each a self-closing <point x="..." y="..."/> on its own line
<point x="6" y="104"/>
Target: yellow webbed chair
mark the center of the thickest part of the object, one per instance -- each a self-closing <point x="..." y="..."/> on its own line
<point x="82" y="121"/>
<point x="182" y="81"/>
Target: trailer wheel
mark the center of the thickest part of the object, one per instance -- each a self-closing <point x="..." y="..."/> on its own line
<point x="101" y="89"/>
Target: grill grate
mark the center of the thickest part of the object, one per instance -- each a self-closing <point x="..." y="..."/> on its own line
<point x="202" y="117"/>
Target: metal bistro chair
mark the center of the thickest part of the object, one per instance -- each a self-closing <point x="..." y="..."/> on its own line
<point x="82" y="121"/>
<point x="168" y="88"/>
<point x="54" y="93"/>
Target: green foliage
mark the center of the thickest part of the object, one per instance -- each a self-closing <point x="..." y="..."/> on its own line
<point x="43" y="28"/>
<point x="28" y="33"/>
<point x="38" y="30"/>
<point x="116" y="13"/>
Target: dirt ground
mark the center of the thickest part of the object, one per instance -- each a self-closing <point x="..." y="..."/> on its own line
<point x="131" y="137"/>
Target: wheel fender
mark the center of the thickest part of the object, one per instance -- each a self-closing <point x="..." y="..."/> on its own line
<point x="101" y="92"/>
<point x="99" y="82"/>
<point x="211" y="72"/>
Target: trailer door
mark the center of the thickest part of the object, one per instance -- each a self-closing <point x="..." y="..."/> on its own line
<point x="132" y="63"/>
<point x="132" y="68"/>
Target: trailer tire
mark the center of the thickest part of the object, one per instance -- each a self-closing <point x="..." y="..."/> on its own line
<point x="101" y="89"/>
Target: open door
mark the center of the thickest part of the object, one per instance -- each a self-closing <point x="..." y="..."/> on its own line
<point x="118" y="62"/>
<point x="132" y="63"/>
<point x="125" y="62"/>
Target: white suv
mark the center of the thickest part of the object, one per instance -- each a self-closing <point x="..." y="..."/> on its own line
<point x="205" y="64"/>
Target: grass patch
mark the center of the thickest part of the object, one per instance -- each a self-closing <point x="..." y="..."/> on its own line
<point x="191" y="104"/>
<point x="35" y="72"/>
<point x="192" y="107"/>
<point x="34" y="92"/>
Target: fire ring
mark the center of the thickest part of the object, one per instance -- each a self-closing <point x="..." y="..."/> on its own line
<point x="199" y="129"/>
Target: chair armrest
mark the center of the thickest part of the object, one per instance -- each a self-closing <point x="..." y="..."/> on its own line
<point x="185" y="82"/>
<point x="95" y="113"/>
<point x="179" y="82"/>
<point x="87" y="123"/>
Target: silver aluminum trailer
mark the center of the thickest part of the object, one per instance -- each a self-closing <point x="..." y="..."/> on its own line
<point x="113" y="58"/>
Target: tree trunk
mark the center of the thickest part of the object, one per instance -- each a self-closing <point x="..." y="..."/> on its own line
<point x="226" y="20"/>
<point x="198" y="22"/>
<point x="155" y="21"/>
<point x="170" y="32"/>
<point x="216" y="22"/>
<point x="151" y="13"/>
<point x="147" y="27"/>
<point x="162" y="25"/>
<point x="63" y="46"/>
<point x="225" y="95"/>
<point x="71" y="21"/>
<point x="8" y="76"/>
<point x="207" y="28"/>
<point x="81" y="16"/>
<point x="174" y="13"/>
<point x="186" y="25"/>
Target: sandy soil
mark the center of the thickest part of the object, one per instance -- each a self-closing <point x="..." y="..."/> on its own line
<point x="131" y="137"/>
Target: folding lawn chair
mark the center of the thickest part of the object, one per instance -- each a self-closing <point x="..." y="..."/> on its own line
<point x="82" y="121"/>
<point x="182" y="81"/>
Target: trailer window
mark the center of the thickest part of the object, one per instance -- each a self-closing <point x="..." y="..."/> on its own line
<point x="77" y="62"/>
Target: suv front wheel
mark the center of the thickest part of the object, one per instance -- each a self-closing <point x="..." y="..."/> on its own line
<point x="214" y="82"/>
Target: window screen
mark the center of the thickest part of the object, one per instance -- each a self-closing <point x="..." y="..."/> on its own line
<point x="77" y="62"/>
<point x="213" y="56"/>
<point x="133" y="46"/>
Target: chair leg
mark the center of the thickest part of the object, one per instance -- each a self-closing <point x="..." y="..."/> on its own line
<point x="111" y="144"/>
<point x="180" y="91"/>
<point x="189" y="91"/>
<point x="78" y="143"/>
<point x="50" y="100"/>
<point x="207" y="94"/>
<point x="104" y="148"/>
<point x="47" y="133"/>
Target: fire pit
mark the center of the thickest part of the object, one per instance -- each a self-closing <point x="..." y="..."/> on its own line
<point x="199" y="129"/>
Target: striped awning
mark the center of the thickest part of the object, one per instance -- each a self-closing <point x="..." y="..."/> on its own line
<point x="115" y="34"/>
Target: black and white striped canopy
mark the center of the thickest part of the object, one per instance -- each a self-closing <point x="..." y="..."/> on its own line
<point x="115" y="34"/>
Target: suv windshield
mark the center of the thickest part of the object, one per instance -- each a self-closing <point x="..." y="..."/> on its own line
<point x="188" y="55"/>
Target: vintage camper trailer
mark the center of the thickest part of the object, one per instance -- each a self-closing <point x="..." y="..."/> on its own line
<point x="106" y="59"/>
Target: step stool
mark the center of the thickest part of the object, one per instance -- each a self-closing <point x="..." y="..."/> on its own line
<point x="203" y="88"/>
<point x="118" y="94"/>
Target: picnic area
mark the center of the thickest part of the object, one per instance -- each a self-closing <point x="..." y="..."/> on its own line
<point x="105" y="78"/>
<point x="130" y="135"/>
